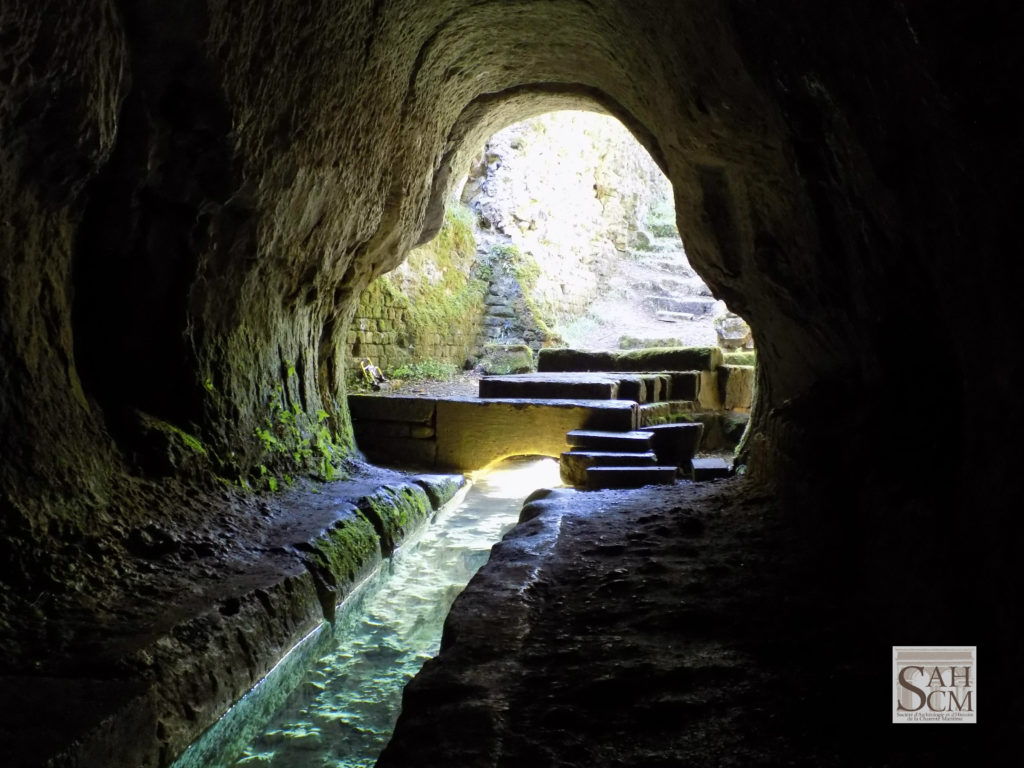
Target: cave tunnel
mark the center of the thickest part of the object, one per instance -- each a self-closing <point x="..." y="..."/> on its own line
<point x="196" y="194"/>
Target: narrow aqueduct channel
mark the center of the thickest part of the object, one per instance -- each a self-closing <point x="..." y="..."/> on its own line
<point x="194" y="196"/>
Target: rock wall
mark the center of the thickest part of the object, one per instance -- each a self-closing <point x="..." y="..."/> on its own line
<point x="427" y="312"/>
<point x="194" y="196"/>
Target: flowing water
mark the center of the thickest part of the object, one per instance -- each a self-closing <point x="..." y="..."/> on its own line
<point x="334" y="701"/>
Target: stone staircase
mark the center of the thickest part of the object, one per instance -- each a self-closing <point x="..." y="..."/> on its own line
<point x="600" y="459"/>
<point x="654" y="455"/>
<point x="662" y="383"/>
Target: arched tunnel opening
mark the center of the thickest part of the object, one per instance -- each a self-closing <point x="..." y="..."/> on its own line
<point x="195" y="198"/>
<point x="562" y="233"/>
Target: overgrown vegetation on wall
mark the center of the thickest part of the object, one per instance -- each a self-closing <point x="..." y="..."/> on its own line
<point x="425" y="315"/>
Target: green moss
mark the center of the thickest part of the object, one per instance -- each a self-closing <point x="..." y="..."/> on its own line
<point x="295" y="443"/>
<point x="394" y="511"/>
<point x="348" y="548"/>
<point x="448" y="295"/>
<point x="740" y="357"/>
<point x="633" y="342"/>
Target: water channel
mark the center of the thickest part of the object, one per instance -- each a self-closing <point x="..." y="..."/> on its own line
<point x="333" y="701"/>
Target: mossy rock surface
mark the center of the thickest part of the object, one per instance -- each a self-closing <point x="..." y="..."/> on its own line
<point x="339" y="556"/>
<point x="440" y="488"/>
<point x="503" y="359"/>
<point x="632" y="342"/>
<point x="555" y="360"/>
<point x="395" y="511"/>
<point x="740" y="357"/>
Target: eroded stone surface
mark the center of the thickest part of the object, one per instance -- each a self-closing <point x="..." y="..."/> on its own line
<point x="659" y="628"/>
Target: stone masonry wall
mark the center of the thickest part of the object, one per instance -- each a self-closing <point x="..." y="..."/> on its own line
<point x="428" y="310"/>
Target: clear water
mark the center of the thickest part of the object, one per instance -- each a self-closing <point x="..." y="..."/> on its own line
<point x="344" y="692"/>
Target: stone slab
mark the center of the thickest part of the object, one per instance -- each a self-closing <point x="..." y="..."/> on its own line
<point x="473" y="433"/>
<point x="418" y="410"/>
<point x="707" y="394"/>
<point x="574" y="464"/>
<point x="633" y="361"/>
<point x="629" y="477"/>
<point x="595" y="440"/>
<point x="403" y="452"/>
<point x="736" y="386"/>
<point x="683" y="385"/>
<point x="547" y="387"/>
<point x="710" y="468"/>
<point x="634" y="388"/>
<point x="675" y="443"/>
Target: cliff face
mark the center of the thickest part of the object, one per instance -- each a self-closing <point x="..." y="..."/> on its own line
<point x="194" y="195"/>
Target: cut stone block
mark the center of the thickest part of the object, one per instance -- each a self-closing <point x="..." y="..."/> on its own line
<point x="568" y="387"/>
<point x="574" y="464"/>
<point x="684" y="385"/>
<point x="595" y="440"/>
<point x="473" y="433"/>
<point x="631" y="361"/>
<point x="571" y="360"/>
<point x="673" y="317"/>
<point x="633" y="388"/>
<point x="675" y="443"/>
<point x="503" y="359"/>
<point x="419" y="410"/>
<point x="629" y="477"/>
<point x="736" y="386"/>
<point x="707" y="394"/>
<point x="400" y="452"/>
<point x="711" y="468"/>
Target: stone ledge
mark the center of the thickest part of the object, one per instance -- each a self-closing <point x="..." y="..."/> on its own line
<point x="152" y="691"/>
<point x="633" y="361"/>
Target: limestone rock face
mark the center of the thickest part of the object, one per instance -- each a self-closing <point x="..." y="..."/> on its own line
<point x="193" y="196"/>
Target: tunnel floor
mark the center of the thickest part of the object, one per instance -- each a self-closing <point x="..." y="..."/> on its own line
<point x="659" y="627"/>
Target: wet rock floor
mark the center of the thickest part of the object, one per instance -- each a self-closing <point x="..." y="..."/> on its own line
<point x="662" y="627"/>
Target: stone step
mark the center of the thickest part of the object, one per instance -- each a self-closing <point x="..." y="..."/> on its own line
<point x="710" y="468"/>
<point x="675" y="443"/>
<point x="629" y="477"/>
<point x="674" y="317"/>
<point x="586" y="387"/>
<point x="597" y="440"/>
<point x="638" y="387"/>
<point x="698" y="306"/>
<point x="574" y="464"/>
<point x="552" y="360"/>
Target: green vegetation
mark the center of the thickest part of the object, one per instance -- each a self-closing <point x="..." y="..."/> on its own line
<point x="294" y="442"/>
<point x="661" y="219"/>
<point x="438" y="296"/>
